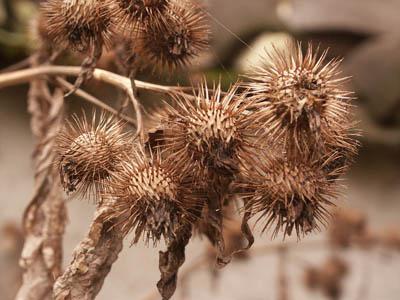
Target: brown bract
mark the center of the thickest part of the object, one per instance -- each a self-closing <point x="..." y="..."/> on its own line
<point x="287" y="195"/>
<point x="87" y="153"/>
<point x="172" y="42"/>
<point x="300" y="102"/>
<point x="79" y="25"/>
<point x="152" y="198"/>
<point x="209" y="131"/>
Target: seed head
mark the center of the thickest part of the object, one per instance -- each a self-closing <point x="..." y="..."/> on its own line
<point x="208" y="130"/>
<point x="288" y="195"/>
<point x="180" y="36"/>
<point x="79" y="25"/>
<point x="134" y="13"/>
<point x="151" y="198"/>
<point x="87" y="153"/>
<point x="299" y="101"/>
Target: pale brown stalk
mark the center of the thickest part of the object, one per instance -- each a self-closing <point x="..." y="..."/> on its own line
<point x="121" y="82"/>
<point x="92" y="260"/>
<point x="45" y="216"/>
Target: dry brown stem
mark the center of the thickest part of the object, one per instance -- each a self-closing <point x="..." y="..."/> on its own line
<point x="45" y="217"/>
<point x="121" y="82"/>
<point x="92" y="260"/>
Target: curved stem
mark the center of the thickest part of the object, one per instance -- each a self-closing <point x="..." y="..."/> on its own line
<point x="122" y="82"/>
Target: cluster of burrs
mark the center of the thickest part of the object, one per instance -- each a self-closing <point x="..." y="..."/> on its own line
<point x="274" y="145"/>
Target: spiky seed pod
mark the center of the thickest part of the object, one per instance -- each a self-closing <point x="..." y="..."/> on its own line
<point x="299" y="101"/>
<point x="87" y="153"/>
<point x="181" y="35"/>
<point x="152" y="198"/>
<point x="79" y="25"/>
<point x="287" y="195"/>
<point x="134" y="13"/>
<point x="208" y="130"/>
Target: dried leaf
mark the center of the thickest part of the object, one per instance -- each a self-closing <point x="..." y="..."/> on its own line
<point x="171" y="260"/>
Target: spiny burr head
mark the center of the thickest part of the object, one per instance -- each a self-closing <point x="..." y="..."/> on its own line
<point x="207" y="131"/>
<point x="79" y="25"/>
<point x="299" y="101"/>
<point x="181" y="35"/>
<point x="134" y="13"/>
<point x="288" y="195"/>
<point x="87" y="153"/>
<point x="151" y="198"/>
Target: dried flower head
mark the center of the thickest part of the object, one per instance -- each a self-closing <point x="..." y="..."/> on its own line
<point x="79" y="25"/>
<point x="287" y="195"/>
<point x="152" y="198"/>
<point x="133" y="13"/>
<point x="208" y="130"/>
<point x="299" y="101"/>
<point x="181" y="35"/>
<point x="87" y="153"/>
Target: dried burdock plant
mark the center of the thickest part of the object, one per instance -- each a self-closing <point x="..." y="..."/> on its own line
<point x="277" y="143"/>
<point x="210" y="131"/>
<point x="288" y="195"/>
<point x="300" y="102"/>
<point x="88" y="151"/>
<point x="133" y="14"/>
<point x="154" y="200"/>
<point x="80" y="25"/>
<point x="172" y="42"/>
<point x="152" y="197"/>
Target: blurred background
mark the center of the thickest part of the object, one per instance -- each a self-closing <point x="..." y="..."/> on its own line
<point x="366" y="33"/>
